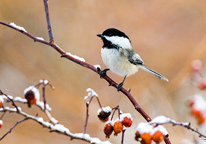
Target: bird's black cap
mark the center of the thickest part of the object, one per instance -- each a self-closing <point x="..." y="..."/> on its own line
<point x="113" y="32"/>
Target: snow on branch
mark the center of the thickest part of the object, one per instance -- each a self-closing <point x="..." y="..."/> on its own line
<point x="17" y="27"/>
<point x="52" y="124"/>
<point x="165" y="120"/>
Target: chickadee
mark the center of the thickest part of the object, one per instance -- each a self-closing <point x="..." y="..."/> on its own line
<point x="119" y="56"/>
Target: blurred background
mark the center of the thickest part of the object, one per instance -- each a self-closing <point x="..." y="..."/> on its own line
<point x="168" y="35"/>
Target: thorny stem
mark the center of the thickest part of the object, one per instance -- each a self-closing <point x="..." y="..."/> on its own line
<point x="18" y="122"/>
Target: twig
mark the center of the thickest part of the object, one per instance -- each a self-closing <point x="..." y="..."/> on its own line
<point x="115" y="109"/>
<point x="1" y="93"/>
<point x="123" y="131"/>
<point x="51" y="37"/>
<point x="18" y="122"/>
<point x="87" y="114"/>
<point x="44" y="83"/>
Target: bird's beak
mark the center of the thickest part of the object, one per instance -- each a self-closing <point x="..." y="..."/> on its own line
<point x="100" y="35"/>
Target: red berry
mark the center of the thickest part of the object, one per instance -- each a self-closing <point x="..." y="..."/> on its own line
<point x="146" y="138"/>
<point x="158" y="137"/>
<point x="118" y="127"/>
<point x="202" y="85"/>
<point x="127" y="122"/>
<point x="1" y="123"/>
<point x="199" y="116"/>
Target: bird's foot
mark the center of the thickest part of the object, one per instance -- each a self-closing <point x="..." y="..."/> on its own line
<point x="103" y="73"/>
<point x="119" y="86"/>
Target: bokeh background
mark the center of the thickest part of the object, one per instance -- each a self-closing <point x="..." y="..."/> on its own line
<point x="168" y="35"/>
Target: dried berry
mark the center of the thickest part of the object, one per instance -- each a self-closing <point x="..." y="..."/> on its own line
<point x="137" y="136"/>
<point x="31" y="95"/>
<point x="104" y="115"/>
<point x="108" y="129"/>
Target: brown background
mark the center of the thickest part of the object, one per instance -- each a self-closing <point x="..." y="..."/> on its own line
<point x="168" y="35"/>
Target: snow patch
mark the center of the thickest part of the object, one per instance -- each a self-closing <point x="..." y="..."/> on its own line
<point x="18" y="27"/>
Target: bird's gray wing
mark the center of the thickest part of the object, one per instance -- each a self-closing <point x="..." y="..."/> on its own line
<point x="132" y="57"/>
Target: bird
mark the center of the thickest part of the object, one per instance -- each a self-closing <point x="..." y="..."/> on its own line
<point x="119" y="56"/>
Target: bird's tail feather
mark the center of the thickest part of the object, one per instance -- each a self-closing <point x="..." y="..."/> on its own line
<point x="153" y="72"/>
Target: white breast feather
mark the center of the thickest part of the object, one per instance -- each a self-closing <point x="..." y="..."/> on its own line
<point x="116" y="63"/>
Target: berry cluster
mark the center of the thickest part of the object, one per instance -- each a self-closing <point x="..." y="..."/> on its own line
<point x="124" y="120"/>
<point x="146" y="133"/>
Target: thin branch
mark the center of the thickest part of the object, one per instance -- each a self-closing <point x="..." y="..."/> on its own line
<point x="115" y="108"/>
<point x="51" y="37"/>
<point x="18" y="122"/>
<point x="99" y="102"/>
<point x="1" y="93"/>
<point x="123" y="131"/>
<point x="185" y="125"/>
<point x="87" y="114"/>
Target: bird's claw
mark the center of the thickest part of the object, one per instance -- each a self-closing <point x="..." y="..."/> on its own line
<point x="119" y="86"/>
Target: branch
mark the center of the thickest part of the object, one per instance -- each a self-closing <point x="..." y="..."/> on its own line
<point x="56" y="128"/>
<point x="18" y="122"/>
<point x="79" y="61"/>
